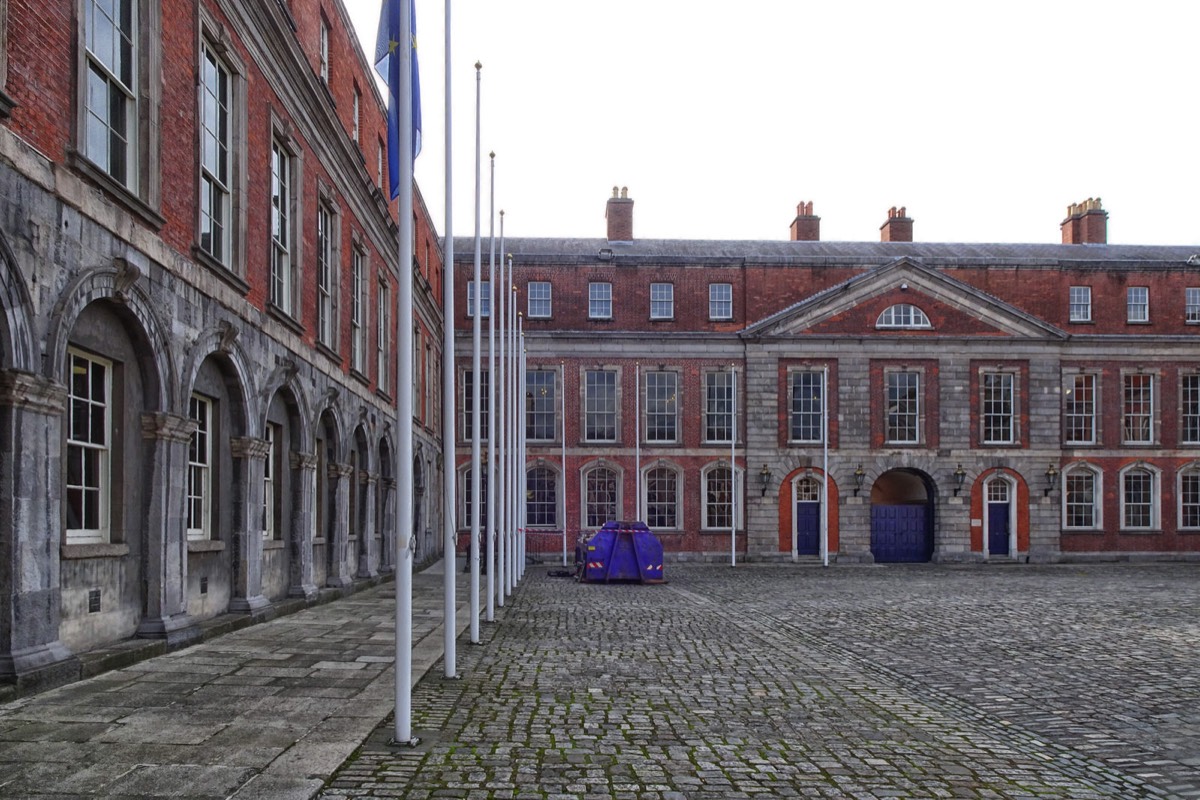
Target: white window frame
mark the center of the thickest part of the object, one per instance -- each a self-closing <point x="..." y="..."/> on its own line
<point x="532" y="496"/>
<point x="101" y="448"/>
<point x="1073" y="409"/>
<point x="467" y="378"/>
<point x="1191" y="305"/>
<point x="670" y="407"/>
<point x="1153" y="504"/>
<point x="285" y="234"/>
<point x="358" y="308"/>
<point x="1137" y="304"/>
<point x="271" y="436"/>
<point x="1144" y="410"/>
<point x="1189" y="409"/>
<point x="1188" y="471"/>
<point x="200" y="469"/>
<point x="323" y="54"/>
<point x="917" y="412"/>
<point x="1079" y="302"/>
<point x="721" y="407"/>
<point x="103" y="139"/>
<point x="662" y="301"/>
<point x="327" y="274"/>
<point x="216" y="155"/>
<point x="585" y="504"/>
<point x="356" y="111"/>
<point x="383" y="316"/>
<point x="1097" y="505"/>
<point x="903" y="316"/>
<point x="486" y="306"/>
<point x="800" y="405"/>
<point x="600" y="300"/>
<point x="991" y="416"/>
<point x="591" y="402"/>
<point x="739" y="507"/>
<point x="675" y="503"/>
<point x="535" y="407"/>
<point x="720" y="301"/>
<point x="538" y="297"/>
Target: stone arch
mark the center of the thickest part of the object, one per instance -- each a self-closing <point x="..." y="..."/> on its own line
<point x="903" y="501"/>
<point x="219" y="343"/>
<point x="385" y="503"/>
<point x="285" y="381"/>
<point x="17" y="349"/>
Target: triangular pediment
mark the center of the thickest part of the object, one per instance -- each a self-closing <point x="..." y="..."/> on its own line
<point x="953" y="307"/>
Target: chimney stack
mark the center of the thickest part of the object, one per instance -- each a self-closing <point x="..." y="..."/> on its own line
<point x="898" y="227"/>
<point x="619" y="214"/>
<point x="1086" y="223"/>
<point x="806" y="227"/>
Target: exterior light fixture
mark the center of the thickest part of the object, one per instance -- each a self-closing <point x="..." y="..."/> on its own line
<point x="764" y="479"/>
<point x="859" y="475"/>
<point x="960" y="475"/>
<point x="1051" y="479"/>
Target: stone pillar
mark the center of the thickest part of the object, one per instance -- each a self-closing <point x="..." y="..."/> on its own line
<point x="250" y="458"/>
<point x="167" y="437"/>
<point x="339" y="575"/>
<point x="387" y="533"/>
<point x="367" y="558"/>
<point x="31" y="413"/>
<point x="300" y="537"/>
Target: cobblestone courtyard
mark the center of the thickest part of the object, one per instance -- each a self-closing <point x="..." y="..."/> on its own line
<point x="1070" y="681"/>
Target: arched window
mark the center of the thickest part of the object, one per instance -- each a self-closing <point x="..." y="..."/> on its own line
<point x="1189" y="497"/>
<point x="903" y="315"/>
<point x="1139" y="498"/>
<point x="465" y="507"/>
<point x="718" y="498"/>
<point x="662" y="498"/>
<point x="541" y="497"/>
<point x="601" y="500"/>
<point x="1081" y="497"/>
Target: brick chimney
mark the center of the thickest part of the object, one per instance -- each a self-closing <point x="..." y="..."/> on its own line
<point x="898" y="227"/>
<point x="806" y="227"/>
<point x="619" y="214"/>
<point x="1086" y="223"/>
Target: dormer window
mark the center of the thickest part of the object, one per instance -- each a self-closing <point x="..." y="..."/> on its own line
<point x="902" y="315"/>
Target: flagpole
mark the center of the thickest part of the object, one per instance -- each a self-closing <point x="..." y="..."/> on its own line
<point x="637" y="441"/>
<point x="501" y="295"/>
<point x="404" y="411"/>
<point x="514" y="409"/>
<point x="449" y="473"/>
<point x="523" y="429"/>
<point x="491" y="398"/>
<point x="563" y="404"/>
<point x="476" y="394"/>
<point x="825" y="466"/>
<point x="733" y="423"/>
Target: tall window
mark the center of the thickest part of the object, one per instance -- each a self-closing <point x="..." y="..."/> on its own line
<point x="600" y="300"/>
<point x="718" y="407"/>
<point x="270" y="474"/>
<point x="281" y="229"/>
<point x="383" y="326"/>
<point x="356" y="112"/>
<point x="1189" y="409"/>
<point x="215" y="203"/>
<point x="466" y="500"/>
<point x="1079" y="409"/>
<point x="199" y="488"/>
<point x="1138" y="303"/>
<point x="486" y="305"/>
<point x="111" y="95"/>
<point x="1138" y="506"/>
<point x="358" y="309"/>
<point x="89" y="448"/>
<point x="1137" y="412"/>
<point x="720" y="301"/>
<point x="998" y="402"/>
<point x="468" y="406"/>
<point x="325" y="275"/>
<point x="1079" y="499"/>
<point x="324" y="51"/>
<point x="903" y="315"/>
<point x="662" y="498"/>
<point x="1189" y="499"/>
<point x="379" y="164"/>
<point x="1081" y="303"/>
<point x="903" y="407"/>
<point x="539" y="299"/>
<point x="600" y="405"/>
<point x="719" y="492"/>
<point x="662" y="301"/>
<point x="661" y="406"/>
<point x="541" y="498"/>
<point x="1191" y="311"/>
<point x="807" y="406"/>
<point x="541" y="405"/>
<point x="600" y="497"/>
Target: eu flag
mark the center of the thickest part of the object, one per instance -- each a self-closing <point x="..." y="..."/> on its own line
<point x="387" y="64"/>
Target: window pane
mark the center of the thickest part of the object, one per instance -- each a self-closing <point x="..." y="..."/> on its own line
<point x="1080" y="409"/>
<point x="600" y="406"/>
<point x="718" y="499"/>
<point x="807" y="406"/>
<point x="998" y="408"/>
<point x="601" y="499"/>
<point x="661" y="511"/>
<point x="541" y="405"/>
<point x="903" y="407"/>
<point x="541" y="504"/>
<point x="661" y="399"/>
<point x="718" y="407"/>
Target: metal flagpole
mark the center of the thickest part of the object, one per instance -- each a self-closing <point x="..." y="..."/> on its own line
<point x="490" y="533"/>
<point x="476" y="398"/>
<point x="637" y="441"/>
<point x="733" y="422"/>
<point x="449" y="500"/>
<point x="501" y="295"/>
<point x="514" y="411"/>
<point x="733" y="495"/>
<point x="825" y="466"/>
<point x="563" y="403"/>
<point x="522" y="430"/>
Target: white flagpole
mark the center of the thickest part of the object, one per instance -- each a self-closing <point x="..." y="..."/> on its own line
<point x="522" y="481"/>
<point x="404" y="411"/>
<point x="514" y="408"/>
<point x="449" y="473"/>
<point x="491" y="401"/>
<point x="733" y="422"/>
<point x="563" y="403"/>
<point x="637" y="442"/>
<point x="476" y="393"/>
<point x="501" y="295"/>
<point x="825" y="467"/>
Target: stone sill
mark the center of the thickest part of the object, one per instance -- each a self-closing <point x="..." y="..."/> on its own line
<point x="104" y="550"/>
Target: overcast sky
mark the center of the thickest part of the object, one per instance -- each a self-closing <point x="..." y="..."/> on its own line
<point x="985" y="120"/>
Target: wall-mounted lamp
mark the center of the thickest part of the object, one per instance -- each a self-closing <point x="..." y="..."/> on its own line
<point x="764" y="479"/>
<point x="859" y="476"/>
<point x="960" y="475"/>
<point x="1051" y="479"/>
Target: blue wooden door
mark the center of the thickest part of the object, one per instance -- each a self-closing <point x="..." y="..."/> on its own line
<point x="808" y="529"/>
<point x="998" y="529"/>
<point x="900" y="534"/>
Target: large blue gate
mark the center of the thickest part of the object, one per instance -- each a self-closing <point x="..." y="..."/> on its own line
<point x="901" y="534"/>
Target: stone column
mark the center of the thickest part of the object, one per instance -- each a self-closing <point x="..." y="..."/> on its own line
<point x="367" y="558"/>
<point x="339" y="574"/>
<point x="167" y="437"/>
<point x="300" y="537"/>
<point x="387" y="534"/>
<point x="31" y="414"/>
<point x="250" y="458"/>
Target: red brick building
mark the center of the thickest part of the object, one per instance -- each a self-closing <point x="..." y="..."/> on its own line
<point x="904" y="401"/>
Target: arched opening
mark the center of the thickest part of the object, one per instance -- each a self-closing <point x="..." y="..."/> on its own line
<point x="385" y="499"/>
<point x="360" y="512"/>
<point x="807" y="493"/>
<point x="325" y="545"/>
<point x="902" y="517"/>
<point x="999" y="516"/>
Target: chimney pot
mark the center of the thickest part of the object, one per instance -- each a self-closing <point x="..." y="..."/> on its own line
<point x="619" y="214"/>
<point x="806" y="227"/>
<point x="1086" y="223"/>
<point x="898" y="228"/>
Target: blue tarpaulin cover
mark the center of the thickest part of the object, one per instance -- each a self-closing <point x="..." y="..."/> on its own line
<point x="623" y="551"/>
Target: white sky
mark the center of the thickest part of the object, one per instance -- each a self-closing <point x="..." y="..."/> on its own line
<point x="984" y="119"/>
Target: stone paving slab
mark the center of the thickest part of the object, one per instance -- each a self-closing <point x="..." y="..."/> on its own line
<point x="1070" y="682"/>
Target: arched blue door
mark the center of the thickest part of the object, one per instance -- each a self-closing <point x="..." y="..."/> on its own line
<point x="808" y="517"/>
<point x="998" y="516"/>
